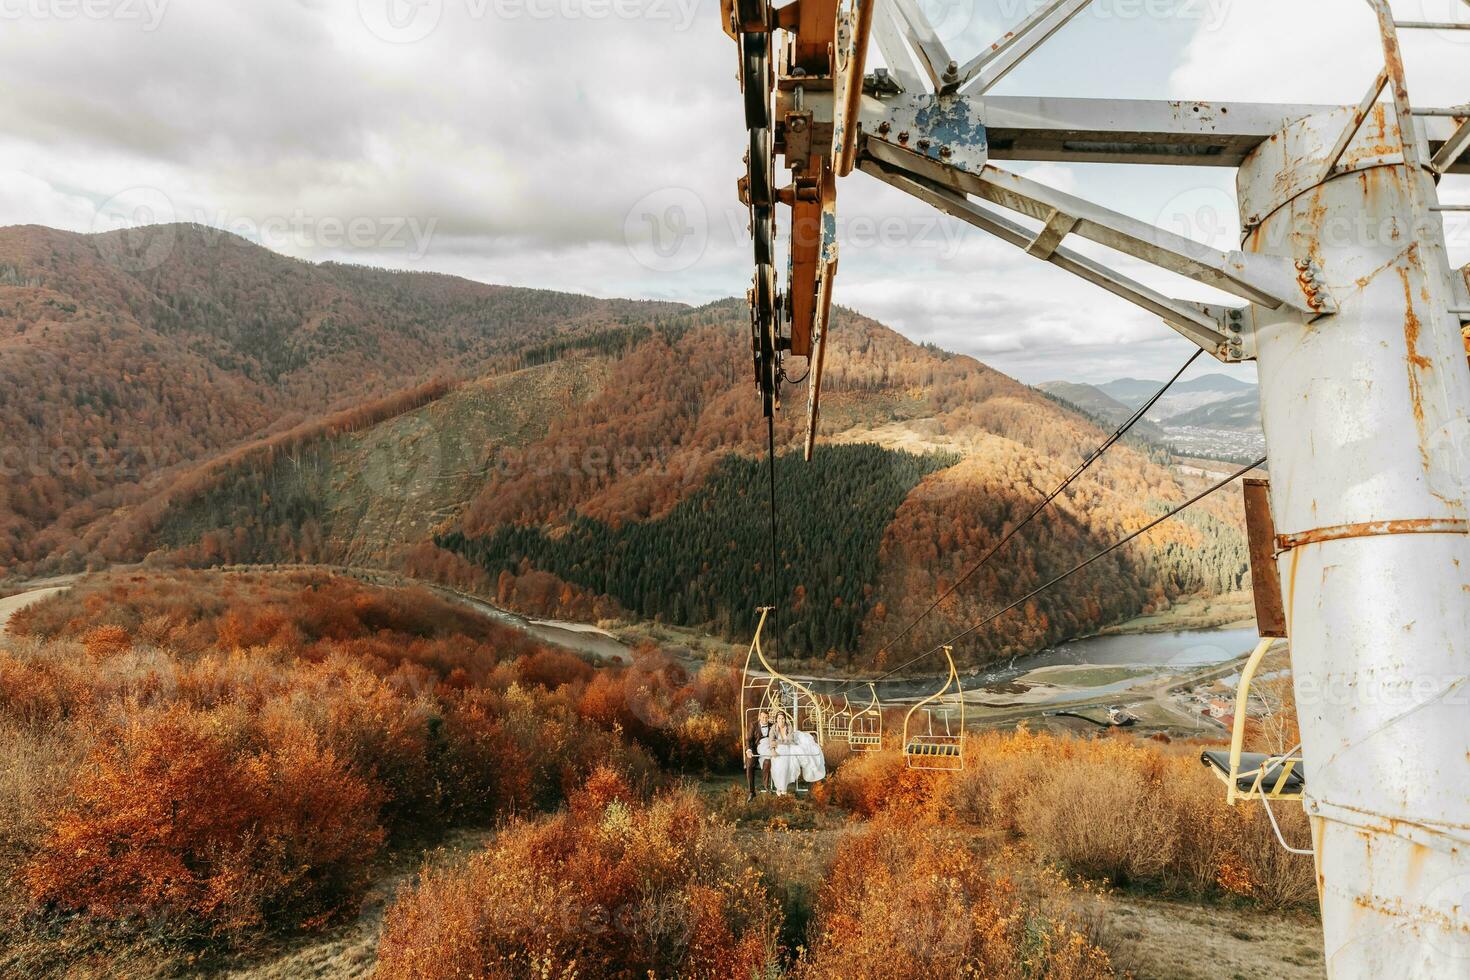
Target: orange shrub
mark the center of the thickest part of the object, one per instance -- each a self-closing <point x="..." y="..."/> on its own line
<point x="902" y="902"/>
<point x="103" y="641"/>
<point x="1115" y="807"/>
<point x="618" y="891"/>
<point x="687" y="721"/>
<point x="870" y="783"/>
<point x="174" y="819"/>
<point x="254" y="738"/>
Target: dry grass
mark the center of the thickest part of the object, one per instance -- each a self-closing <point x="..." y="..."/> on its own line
<point x="907" y="902"/>
<point x="1129" y="811"/>
<point x="613" y="889"/>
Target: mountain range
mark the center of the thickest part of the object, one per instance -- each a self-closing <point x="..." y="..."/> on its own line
<point x="1211" y="415"/>
<point x="209" y="402"/>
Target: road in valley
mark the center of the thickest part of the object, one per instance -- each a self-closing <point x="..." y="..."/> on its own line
<point x="11" y="605"/>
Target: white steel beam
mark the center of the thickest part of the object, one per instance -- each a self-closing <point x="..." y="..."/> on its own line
<point x="895" y="51"/>
<point x="920" y="34"/>
<point x="1189" y="319"/>
<point x="1201" y="134"/>
<point x="1355" y="123"/>
<point x="1452" y="150"/>
<point x="982" y="72"/>
<point x="1270" y="281"/>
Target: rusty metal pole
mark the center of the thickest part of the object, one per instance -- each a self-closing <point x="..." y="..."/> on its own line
<point x="1366" y="415"/>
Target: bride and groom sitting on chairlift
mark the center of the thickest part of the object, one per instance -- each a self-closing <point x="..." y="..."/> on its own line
<point x="782" y="753"/>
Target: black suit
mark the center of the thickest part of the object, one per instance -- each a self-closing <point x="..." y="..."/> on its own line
<point x="753" y="761"/>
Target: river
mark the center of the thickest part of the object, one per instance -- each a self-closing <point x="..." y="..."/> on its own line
<point x="1104" y="664"/>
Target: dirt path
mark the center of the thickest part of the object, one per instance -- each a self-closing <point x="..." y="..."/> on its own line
<point x="1161" y="940"/>
<point x="350" y="951"/>
<point x="11" y="605"/>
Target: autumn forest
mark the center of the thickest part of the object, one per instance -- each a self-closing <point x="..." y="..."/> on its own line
<point x="274" y="700"/>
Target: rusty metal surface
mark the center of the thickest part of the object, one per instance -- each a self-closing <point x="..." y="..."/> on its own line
<point x="1363" y="413"/>
<point x="1369" y="529"/>
<point x="1265" y="576"/>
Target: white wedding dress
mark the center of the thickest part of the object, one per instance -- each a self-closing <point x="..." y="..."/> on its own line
<point x="800" y="758"/>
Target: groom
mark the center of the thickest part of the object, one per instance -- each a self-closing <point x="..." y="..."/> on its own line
<point x="753" y="760"/>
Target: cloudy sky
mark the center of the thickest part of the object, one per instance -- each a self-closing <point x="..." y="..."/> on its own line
<point x="566" y="143"/>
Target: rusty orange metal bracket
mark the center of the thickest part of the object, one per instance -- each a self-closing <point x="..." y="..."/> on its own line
<point x="1418" y="525"/>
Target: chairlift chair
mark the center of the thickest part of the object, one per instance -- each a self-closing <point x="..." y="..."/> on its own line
<point x="764" y="688"/>
<point x="838" y="716"/>
<point x="933" y="748"/>
<point x="865" y="733"/>
<point x="1255" y="775"/>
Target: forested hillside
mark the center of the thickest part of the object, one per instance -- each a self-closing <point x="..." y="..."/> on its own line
<point x="632" y="496"/>
<point x="562" y="454"/>
<point x="119" y="370"/>
<point x="706" y="559"/>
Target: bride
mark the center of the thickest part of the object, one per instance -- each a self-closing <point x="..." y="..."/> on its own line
<point x="794" y="755"/>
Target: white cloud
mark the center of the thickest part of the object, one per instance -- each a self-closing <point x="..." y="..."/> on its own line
<point x="527" y="137"/>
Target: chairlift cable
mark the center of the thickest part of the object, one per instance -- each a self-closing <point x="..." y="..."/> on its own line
<point x="775" y="568"/>
<point x="1093" y="457"/>
<point x="1073" y="570"/>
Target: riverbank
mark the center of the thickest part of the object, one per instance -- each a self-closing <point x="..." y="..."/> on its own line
<point x="1234" y="610"/>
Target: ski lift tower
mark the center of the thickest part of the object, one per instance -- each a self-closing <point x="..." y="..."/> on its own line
<point x="1347" y="303"/>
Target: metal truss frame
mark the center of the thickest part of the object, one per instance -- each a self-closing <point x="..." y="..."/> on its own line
<point x="926" y="125"/>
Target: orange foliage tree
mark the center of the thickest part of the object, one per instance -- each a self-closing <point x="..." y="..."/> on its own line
<point x="613" y="889"/>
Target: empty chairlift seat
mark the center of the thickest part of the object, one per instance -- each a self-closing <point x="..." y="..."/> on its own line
<point x="1254" y="775"/>
<point x="938" y="740"/>
<point x="1280" y="777"/>
<point x="865" y="733"/>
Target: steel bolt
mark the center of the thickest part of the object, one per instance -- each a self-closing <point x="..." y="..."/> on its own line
<point x="923" y="144"/>
<point x="884" y="127"/>
<point x="944" y="151"/>
<point x="903" y="137"/>
<point x="1303" y="265"/>
<point x="952" y="69"/>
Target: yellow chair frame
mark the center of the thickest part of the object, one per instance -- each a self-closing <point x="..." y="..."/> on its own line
<point x="865" y="734"/>
<point x="942" y="752"/>
<point x="839" y="720"/>
<point x="762" y="690"/>
<point x="1284" y="763"/>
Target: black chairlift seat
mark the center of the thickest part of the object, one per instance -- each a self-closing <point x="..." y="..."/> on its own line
<point x="1276" y="780"/>
<point x="950" y="749"/>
